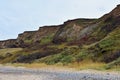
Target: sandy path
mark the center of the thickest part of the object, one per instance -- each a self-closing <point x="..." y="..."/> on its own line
<point x="13" y="73"/>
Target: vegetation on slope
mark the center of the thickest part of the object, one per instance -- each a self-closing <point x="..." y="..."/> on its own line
<point x="93" y="43"/>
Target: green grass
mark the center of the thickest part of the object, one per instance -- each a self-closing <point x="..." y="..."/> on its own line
<point x="107" y="47"/>
<point x="112" y="41"/>
<point x="66" y="56"/>
<point x="47" y="39"/>
<point x="69" y="54"/>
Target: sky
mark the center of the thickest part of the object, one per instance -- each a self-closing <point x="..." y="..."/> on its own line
<point x="17" y="16"/>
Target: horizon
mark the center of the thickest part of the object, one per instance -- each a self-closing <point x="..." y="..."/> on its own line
<point x="19" y="16"/>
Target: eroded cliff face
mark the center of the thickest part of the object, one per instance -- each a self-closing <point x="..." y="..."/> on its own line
<point x="73" y="30"/>
<point x="68" y="31"/>
<point x="8" y="43"/>
<point x="42" y="36"/>
<point x="39" y="36"/>
<point x="77" y="31"/>
<point x="46" y="32"/>
<point x="87" y="31"/>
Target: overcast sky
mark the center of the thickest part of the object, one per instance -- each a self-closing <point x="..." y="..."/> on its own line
<point x="17" y="16"/>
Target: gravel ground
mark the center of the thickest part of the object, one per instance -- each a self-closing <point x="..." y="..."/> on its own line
<point x="13" y="73"/>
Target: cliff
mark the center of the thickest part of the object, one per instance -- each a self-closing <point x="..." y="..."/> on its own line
<point x="71" y="30"/>
<point x="87" y="31"/>
<point x="31" y="37"/>
<point x="8" y="43"/>
<point x="77" y="40"/>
